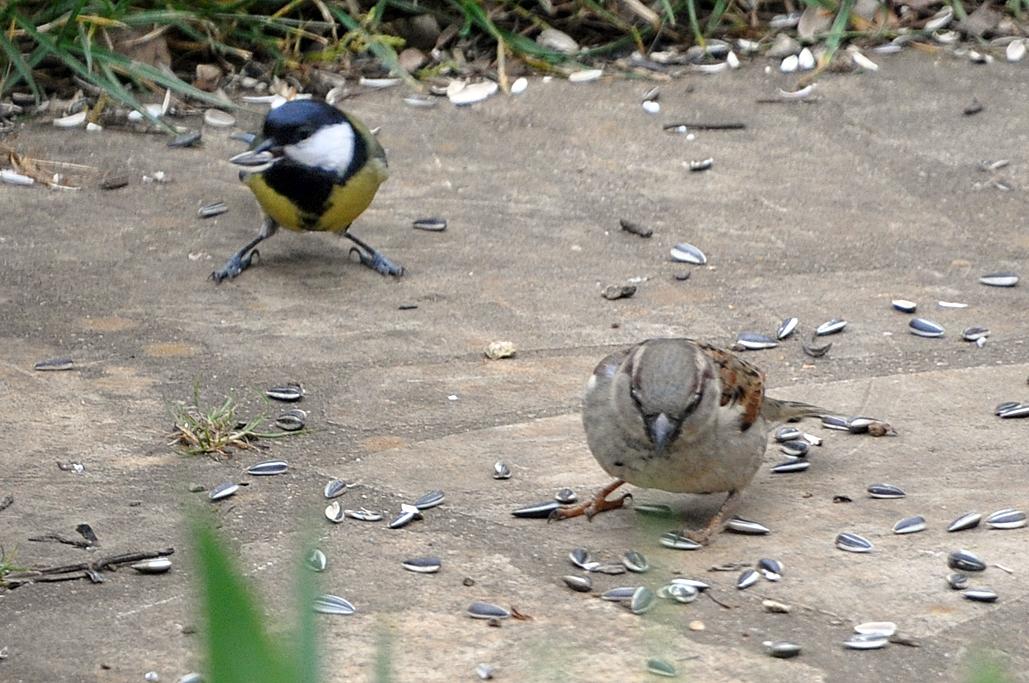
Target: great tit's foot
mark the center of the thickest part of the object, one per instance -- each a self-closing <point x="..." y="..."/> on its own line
<point x="376" y="261"/>
<point x="235" y="265"/>
<point x="599" y="503"/>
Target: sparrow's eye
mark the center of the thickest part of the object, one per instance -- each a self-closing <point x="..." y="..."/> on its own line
<point x="694" y="402"/>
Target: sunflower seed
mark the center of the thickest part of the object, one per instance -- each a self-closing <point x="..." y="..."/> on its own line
<point x="334" y="512"/>
<point x="811" y="439"/>
<point x="363" y="515"/>
<point x="635" y="561"/>
<point x="316" y="560"/>
<point x="687" y="253"/>
<point x="1021" y="410"/>
<point x="268" y="468"/>
<point x="787" y="433"/>
<point x="652" y="106"/>
<point x="13" y="177"/>
<point x="782" y="649"/>
<point x="939" y="20"/>
<point x="408" y="513"/>
<point x="786" y="327"/>
<point x="422" y="565"/>
<point x="565" y="496"/>
<point x="904" y="306"/>
<point x="420" y="101"/>
<point x="619" y="594"/>
<point x="980" y="595"/>
<point x="537" y="511"/>
<point x="430" y="500"/>
<point x="815" y="350"/>
<point x="836" y="422"/>
<point x="770" y="565"/>
<point x="430" y="224"/>
<point x="830" y="327"/>
<point x="187" y="139"/>
<point x="776" y="607"/>
<point x="212" y="210"/>
<point x="910" y="525"/>
<point x="609" y="569"/>
<point x="964" y="561"/>
<point x="579" y="584"/>
<point x="54" y="365"/>
<point x="702" y="164"/>
<point x="969" y="520"/>
<point x="853" y="543"/>
<point x="635" y="228"/>
<point x="747" y="579"/>
<point x="484" y="671"/>
<point x="191" y="678"/>
<point x="657" y="510"/>
<point x="863" y="62"/>
<point x="676" y="541"/>
<point x="581" y="558"/>
<point x="333" y="604"/>
<point x="292" y="420"/>
<point x="643" y="600"/>
<point x="223" y="490"/>
<point x="957" y="581"/>
<point x="519" y="85"/>
<point x="885" y="491"/>
<point x="746" y="526"/>
<point x="1015" y="51"/>
<point x="487" y="610"/>
<point x="288" y="393"/>
<point x="216" y="118"/>
<point x="692" y="583"/>
<point x="789" y="64"/>
<point x="335" y="488"/>
<point x="660" y="667"/>
<point x="1005" y="407"/>
<point x="795" y="448"/>
<point x="791" y="466"/>
<point x="585" y="75"/>
<point x="680" y="592"/>
<point x="154" y="565"/>
<point x="866" y="641"/>
<point x="999" y="279"/>
<point x="976" y="333"/>
<point x="1006" y="519"/>
<point x="880" y="628"/>
<point x="501" y="470"/>
<point x="925" y="328"/>
<point x="755" y="341"/>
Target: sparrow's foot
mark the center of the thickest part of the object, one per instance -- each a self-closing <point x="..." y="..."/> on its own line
<point x="717" y="522"/>
<point x="235" y="265"/>
<point x="599" y="503"/>
<point x="373" y="258"/>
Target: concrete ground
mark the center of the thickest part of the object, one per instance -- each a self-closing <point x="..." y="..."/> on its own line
<point x="815" y="210"/>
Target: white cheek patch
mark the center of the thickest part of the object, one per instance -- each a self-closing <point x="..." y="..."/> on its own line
<point x="591" y="384"/>
<point x="330" y="148"/>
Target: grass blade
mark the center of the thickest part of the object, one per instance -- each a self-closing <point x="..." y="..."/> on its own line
<point x="239" y="649"/>
<point x="20" y="65"/>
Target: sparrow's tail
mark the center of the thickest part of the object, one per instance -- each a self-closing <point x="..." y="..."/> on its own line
<point x="776" y="410"/>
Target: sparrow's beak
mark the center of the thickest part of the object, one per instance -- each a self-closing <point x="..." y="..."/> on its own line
<point x="662" y="430"/>
<point x="264" y="153"/>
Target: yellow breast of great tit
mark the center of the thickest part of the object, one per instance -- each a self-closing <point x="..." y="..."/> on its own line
<point x="324" y="182"/>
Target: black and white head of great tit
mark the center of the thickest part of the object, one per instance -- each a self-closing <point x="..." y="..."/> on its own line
<point x="313" y="134"/>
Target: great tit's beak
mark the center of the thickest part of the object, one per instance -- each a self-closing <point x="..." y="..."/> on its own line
<point x="263" y="154"/>
<point x="662" y="430"/>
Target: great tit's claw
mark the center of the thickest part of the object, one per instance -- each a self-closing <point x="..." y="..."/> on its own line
<point x="234" y="266"/>
<point x="377" y="262"/>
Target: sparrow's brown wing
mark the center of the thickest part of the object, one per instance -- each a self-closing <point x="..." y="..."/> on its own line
<point x="742" y="383"/>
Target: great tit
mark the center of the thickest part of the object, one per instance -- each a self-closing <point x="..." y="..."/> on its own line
<point x="314" y="168"/>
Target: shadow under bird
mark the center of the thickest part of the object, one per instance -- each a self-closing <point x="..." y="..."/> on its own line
<point x="314" y="168"/>
<point x="683" y="416"/>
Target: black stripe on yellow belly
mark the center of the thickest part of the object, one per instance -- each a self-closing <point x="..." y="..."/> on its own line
<point x="303" y="198"/>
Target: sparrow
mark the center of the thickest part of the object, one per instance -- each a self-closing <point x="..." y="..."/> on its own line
<point x="682" y="416"/>
<point x="316" y="168"/>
